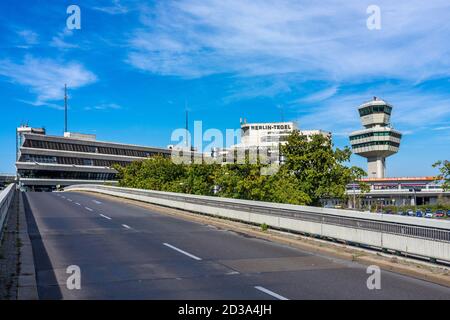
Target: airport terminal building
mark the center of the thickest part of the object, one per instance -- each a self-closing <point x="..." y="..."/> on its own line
<point x="46" y="162"/>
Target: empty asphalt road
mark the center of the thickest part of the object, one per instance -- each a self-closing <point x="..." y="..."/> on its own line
<point x="128" y="252"/>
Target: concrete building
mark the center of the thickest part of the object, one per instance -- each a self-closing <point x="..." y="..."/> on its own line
<point x="404" y="191"/>
<point x="266" y="137"/>
<point x="45" y="162"/>
<point x="378" y="140"/>
<point x="6" y="179"/>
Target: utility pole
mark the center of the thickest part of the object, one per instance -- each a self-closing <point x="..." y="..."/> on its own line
<point x="65" y="107"/>
<point x="187" y="123"/>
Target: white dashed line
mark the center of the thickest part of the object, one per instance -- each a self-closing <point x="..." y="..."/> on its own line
<point x="77" y="204"/>
<point x="106" y="217"/>
<point x="183" y="252"/>
<point x="125" y="226"/>
<point x="89" y="209"/>
<point x="97" y="202"/>
<point x="232" y="273"/>
<point x="63" y="197"/>
<point x="69" y="200"/>
<point x="271" y="293"/>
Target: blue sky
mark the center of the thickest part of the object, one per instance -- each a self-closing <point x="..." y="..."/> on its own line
<point x="133" y="66"/>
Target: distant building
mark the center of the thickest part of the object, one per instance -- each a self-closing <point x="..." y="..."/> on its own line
<point x="45" y="162"/>
<point x="266" y="136"/>
<point x="404" y="191"/>
<point x="6" y="179"/>
<point x="378" y="140"/>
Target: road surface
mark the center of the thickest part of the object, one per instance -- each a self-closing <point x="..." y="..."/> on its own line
<point x="129" y="252"/>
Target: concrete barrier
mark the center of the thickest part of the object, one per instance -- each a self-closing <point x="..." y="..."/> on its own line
<point x="420" y="237"/>
<point x="6" y="196"/>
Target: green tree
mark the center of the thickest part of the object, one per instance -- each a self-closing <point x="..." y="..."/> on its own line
<point x="155" y="173"/>
<point x="313" y="171"/>
<point x="319" y="170"/>
<point x="444" y="168"/>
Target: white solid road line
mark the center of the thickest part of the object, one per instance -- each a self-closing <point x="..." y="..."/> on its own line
<point x="106" y="217"/>
<point x="77" y="204"/>
<point x="271" y="293"/>
<point x="181" y="251"/>
<point x="125" y="226"/>
<point x="97" y="202"/>
<point x="89" y="209"/>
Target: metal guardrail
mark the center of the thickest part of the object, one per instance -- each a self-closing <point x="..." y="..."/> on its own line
<point x="6" y="196"/>
<point x="416" y="229"/>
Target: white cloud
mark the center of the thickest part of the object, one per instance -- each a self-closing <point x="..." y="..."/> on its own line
<point x="29" y="37"/>
<point x="320" y="95"/>
<point x="45" y="77"/>
<point x="330" y="41"/>
<point x="413" y="111"/>
<point x="105" y="106"/>
<point x="113" y="9"/>
<point x="59" y="41"/>
<point x="442" y="128"/>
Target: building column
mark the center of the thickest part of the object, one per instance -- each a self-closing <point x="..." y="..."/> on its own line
<point x="376" y="167"/>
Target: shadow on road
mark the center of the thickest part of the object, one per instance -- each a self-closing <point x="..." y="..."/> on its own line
<point x="41" y="258"/>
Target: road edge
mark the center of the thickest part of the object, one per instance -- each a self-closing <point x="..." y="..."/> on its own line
<point x="27" y="285"/>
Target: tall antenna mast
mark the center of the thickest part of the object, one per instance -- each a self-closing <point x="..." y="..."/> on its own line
<point x="187" y="124"/>
<point x="65" y="107"/>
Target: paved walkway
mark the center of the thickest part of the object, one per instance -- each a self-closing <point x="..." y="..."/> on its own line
<point x="9" y="255"/>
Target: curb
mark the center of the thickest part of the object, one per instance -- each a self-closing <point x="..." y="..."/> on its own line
<point x="27" y="286"/>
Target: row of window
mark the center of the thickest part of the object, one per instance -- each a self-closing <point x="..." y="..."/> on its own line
<point x="376" y="143"/>
<point x="69" y="160"/>
<point x="376" y="134"/>
<point x="85" y="148"/>
<point x="44" y="174"/>
<point x="274" y="138"/>
<point x="375" y="109"/>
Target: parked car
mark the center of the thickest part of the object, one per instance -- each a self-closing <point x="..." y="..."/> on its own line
<point x="439" y="214"/>
<point x="428" y="210"/>
<point x="411" y="213"/>
<point x="388" y="211"/>
<point x="429" y="214"/>
<point x="448" y="213"/>
<point x="419" y="213"/>
<point x="402" y="213"/>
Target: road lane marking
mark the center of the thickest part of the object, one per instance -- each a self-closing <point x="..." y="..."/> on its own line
<point x="183" y="252"/>
<point x="89" y="209"/>
<point x="270" y="293"/>
<point x="97" y="202"/>
<point x="232" y="273"/>
<point x="69" y="200"/>
<point x="77" y="204"/>
<point x="125" y="226"/>
<point x="106" y="217"/>
<point x="63" y="197"/>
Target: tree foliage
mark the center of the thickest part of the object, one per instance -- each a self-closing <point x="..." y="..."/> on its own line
<point x="444" y="168"/>
<point x="313" y="170"/>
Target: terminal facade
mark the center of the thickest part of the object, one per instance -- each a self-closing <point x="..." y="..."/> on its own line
<point x="46" y="162"/>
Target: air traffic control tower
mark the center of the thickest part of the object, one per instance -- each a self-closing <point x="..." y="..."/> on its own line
<point x="378" y="140"/>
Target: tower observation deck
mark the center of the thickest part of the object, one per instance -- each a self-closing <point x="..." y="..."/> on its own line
<point x="378" y="140"/>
